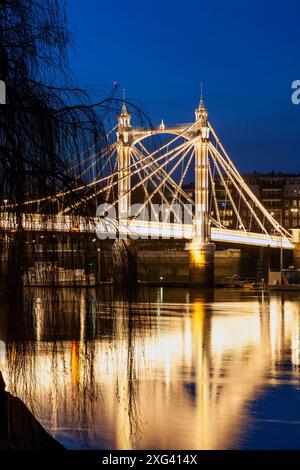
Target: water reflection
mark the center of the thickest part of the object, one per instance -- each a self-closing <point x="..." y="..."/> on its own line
<point x="177" y="370"/>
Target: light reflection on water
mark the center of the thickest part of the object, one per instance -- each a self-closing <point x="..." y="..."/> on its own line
<point x="210" y="370"/>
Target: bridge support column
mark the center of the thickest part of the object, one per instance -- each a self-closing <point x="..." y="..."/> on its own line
<point x="201" y="250"/>
<point x="124" y="136"/>
<point x="124" y="182"/>
<point x="201" y="264"/>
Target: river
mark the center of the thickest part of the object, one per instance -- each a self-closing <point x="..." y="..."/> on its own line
<point x="212" y="369"/>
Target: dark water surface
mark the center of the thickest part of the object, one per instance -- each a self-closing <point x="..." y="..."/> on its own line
<point x="208" y="370"/>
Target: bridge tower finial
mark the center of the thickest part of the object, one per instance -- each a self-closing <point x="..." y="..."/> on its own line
<point x="124" y="99"/>
<point x="162" y="125"/>
<point x="201" y="112"/>
<point x="124" y="117"/>
<point x="201" y="104"/>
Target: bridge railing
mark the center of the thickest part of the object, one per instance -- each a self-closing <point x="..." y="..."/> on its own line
<point x="251" y="238"/>
<point x="136" y="229"/>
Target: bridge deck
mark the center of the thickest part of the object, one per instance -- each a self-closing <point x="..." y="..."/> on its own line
<point x="137" y="229"/>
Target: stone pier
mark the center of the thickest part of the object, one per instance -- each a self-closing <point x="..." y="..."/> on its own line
<point x="201" y="264"/>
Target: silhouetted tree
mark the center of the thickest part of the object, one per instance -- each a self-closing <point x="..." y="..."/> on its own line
<point x="46" y="121"/>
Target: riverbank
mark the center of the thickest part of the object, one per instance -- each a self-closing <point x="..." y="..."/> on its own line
<point x="19" y="429"/>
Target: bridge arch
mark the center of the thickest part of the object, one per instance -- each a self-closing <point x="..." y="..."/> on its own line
<point x="146" y="134"/>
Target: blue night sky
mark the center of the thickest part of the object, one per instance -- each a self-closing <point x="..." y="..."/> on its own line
<point x="246" y="52"/>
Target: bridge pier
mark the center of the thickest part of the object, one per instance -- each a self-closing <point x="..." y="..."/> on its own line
<point x="201" y="264"/>
<point x="201" y="250"/>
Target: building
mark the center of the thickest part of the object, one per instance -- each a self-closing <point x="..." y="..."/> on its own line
<point x="279" y="193"/>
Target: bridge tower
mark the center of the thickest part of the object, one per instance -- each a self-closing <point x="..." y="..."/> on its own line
<point x="124" y="137"/>
<point x="201" y="250"/>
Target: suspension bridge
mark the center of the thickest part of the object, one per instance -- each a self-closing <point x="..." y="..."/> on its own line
<point x="143" y="170"/>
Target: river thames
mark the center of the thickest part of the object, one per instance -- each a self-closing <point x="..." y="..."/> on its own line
<point x="215" y="369"/>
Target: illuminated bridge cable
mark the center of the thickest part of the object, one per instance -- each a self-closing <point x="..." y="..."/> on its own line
<point x="171" y="157"/>
<point x="223" y="164"/>
<point x="75" y="159"/>
<point x="213" y="193"/>
<point x="168" y="154"/>
<point x="242" y="186"/>
<point x="229" y="195"/>
<point x="171" y="188"/>
<point x="136" y="156"/>
<point x="83" y="187"/>
<point x="80" y="188"/>
<point x="170" y="173"/>
<point x="172" y="182"/>
<point x="175" y="196"/>
<point x="246" y="188"/>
